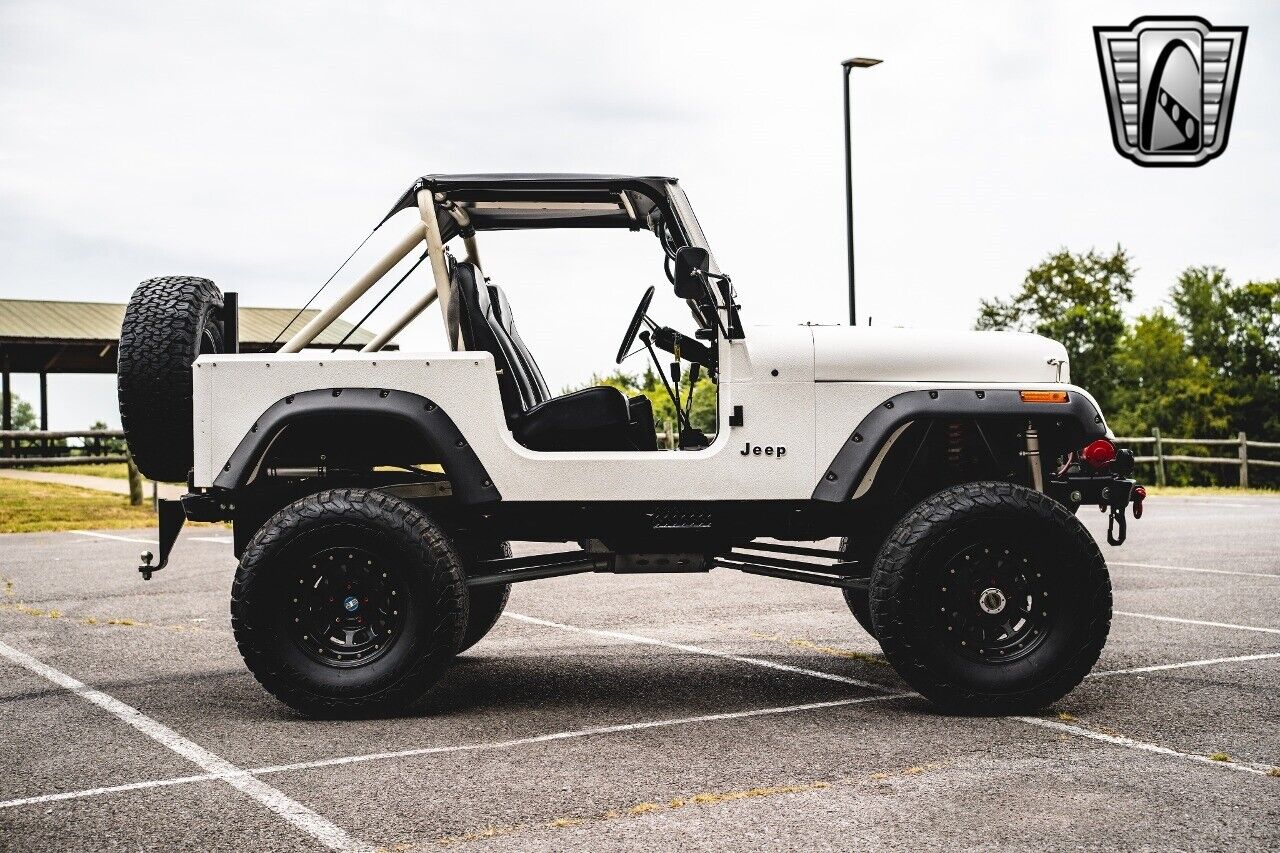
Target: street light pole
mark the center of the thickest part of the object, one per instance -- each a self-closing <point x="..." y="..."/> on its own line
<point x="849" y="65"/>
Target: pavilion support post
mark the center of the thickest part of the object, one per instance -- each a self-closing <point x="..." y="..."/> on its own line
<point x="135" y="483"/>
<point x="44" y="411"/>
<point x="6" y="400"/>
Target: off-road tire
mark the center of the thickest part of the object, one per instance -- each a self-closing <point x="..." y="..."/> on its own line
<point x="859" y="602"/>
<point x="168" y="322"/>
<point x="430" y="576"/>
<point x="1058" y="555"/>
<point x="487" y="602"/>
<point x="858" y="599"/>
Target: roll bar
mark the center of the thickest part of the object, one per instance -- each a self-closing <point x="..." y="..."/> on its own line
<point x="428" y="230"/>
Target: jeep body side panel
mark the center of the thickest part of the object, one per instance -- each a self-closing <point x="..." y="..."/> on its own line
<point x="859" y="448"/>
<point x="233" y="392"/>
<point x="437" y="431"/>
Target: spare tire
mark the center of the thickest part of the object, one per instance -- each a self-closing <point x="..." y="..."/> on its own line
<point x="168" y="323"/>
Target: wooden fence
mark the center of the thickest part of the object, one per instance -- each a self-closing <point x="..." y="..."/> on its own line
<point x="20" y="447"/>
<point x="1241" y="460"/>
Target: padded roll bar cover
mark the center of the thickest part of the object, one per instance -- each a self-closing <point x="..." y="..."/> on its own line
<point x="470" y="481"/>
<point x="855" y="455"/>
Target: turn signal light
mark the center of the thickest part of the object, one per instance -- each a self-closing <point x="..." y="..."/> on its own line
<point x="1043" y="396"/>
<point x="1100" y="454"/>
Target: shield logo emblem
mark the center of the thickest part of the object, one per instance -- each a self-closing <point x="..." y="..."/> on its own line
<point x="1170" y="84"/>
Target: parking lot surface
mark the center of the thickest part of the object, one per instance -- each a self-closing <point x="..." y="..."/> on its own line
<point x="710" y="712"/>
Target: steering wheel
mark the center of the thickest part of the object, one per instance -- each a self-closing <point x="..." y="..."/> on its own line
<point x="629" y="339"/>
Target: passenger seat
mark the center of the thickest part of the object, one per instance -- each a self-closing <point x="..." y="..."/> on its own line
<point x="596" y="418"/>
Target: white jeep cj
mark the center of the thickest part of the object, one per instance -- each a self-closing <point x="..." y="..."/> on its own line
<point x="373" y="494"/>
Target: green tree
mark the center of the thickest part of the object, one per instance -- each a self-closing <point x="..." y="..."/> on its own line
<point x="1078" y="300"/>
<point x="1235" y="330"/>
<point x="21" y="415"/>
<point x="1162" y="383"/>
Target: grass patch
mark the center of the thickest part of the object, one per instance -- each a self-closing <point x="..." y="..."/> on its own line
<point x="1219" y="756"/>
<point x="112" y="470"/>
<point x="1196" y="491"/>
<point x="29" y="507"/>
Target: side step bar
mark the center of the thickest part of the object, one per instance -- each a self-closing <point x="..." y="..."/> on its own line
<point x="513" y="569"/>
<point x="837" y="572"/>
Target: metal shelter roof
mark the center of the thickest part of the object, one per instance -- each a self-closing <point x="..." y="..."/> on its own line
<point x="42" y="336"/>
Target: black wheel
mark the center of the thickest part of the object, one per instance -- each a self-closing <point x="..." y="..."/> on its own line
<point x="991" y="598"/>
<point x="487" y="602"/>
<point x="168" y="323"/>
<point x="349" y="603"/>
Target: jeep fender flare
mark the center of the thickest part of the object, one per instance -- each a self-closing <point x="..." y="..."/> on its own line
<point x="471" y="482"/>
<point x="857" y="453"/>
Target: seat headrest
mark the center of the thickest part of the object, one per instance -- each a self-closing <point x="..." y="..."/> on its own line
<point x="469" y="306"/>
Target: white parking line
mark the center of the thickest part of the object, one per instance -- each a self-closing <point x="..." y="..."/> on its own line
<point x="225" y="540"/>
<point x="1118" y="741"/>
<point x="698" y="650"/>
<point x="885" y="693"/>
<point x="1198" y="622"/>
<point x="98" y="535"/>
<point x="1143" y="746"/>
<point x="301" y="817"/>
<point x="466" y="747"/>
<point x="1189" y="569"/>
<point x="1184" y="665"/>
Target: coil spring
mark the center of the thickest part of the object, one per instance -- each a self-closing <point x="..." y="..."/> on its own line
<point x="956" y="443"/>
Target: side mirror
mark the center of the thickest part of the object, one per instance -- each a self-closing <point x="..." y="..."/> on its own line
<point x="692" y="264"/>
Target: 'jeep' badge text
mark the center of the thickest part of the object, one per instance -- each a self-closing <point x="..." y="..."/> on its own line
<point x="1170" y="84"/>
<point x="766" y="450"/>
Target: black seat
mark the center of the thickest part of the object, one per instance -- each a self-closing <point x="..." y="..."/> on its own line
<point x="596" y="418"/>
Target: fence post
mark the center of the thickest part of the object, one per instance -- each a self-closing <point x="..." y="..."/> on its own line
<point x="1244" y="461"/>
<point x="1159" y="457"/>
<point x="135" y="483"/>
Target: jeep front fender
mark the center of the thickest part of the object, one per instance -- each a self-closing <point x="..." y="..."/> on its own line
<point x="856" y="454"/>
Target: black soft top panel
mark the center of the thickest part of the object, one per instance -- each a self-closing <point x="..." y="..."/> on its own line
<point x="644" y="194"/>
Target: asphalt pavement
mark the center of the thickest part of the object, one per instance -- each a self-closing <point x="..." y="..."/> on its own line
<point x="705" y="712"/>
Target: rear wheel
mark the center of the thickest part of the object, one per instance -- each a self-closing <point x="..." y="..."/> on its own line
<point x="991" y="598"/>
<point x="349" y="602"/>
<point x="486" y="602"/>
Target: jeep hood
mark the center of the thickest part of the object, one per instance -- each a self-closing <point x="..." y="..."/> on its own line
<point x="859" y="354"/>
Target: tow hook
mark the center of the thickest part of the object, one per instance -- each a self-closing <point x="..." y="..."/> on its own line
<point x="1116" y="521"/>
<point x="1117" y="524"/>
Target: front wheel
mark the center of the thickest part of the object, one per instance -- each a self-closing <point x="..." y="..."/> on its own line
<point x="349" y="603"/>
<point x="990" y="598"/>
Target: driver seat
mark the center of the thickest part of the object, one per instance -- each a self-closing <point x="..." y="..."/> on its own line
<point x="591" y="419"/>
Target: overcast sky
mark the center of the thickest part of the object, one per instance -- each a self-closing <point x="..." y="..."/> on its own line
<point x="256" y="144"/>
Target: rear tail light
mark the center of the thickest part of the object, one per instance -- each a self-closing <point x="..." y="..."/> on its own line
<point x="1099" y="454"/>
